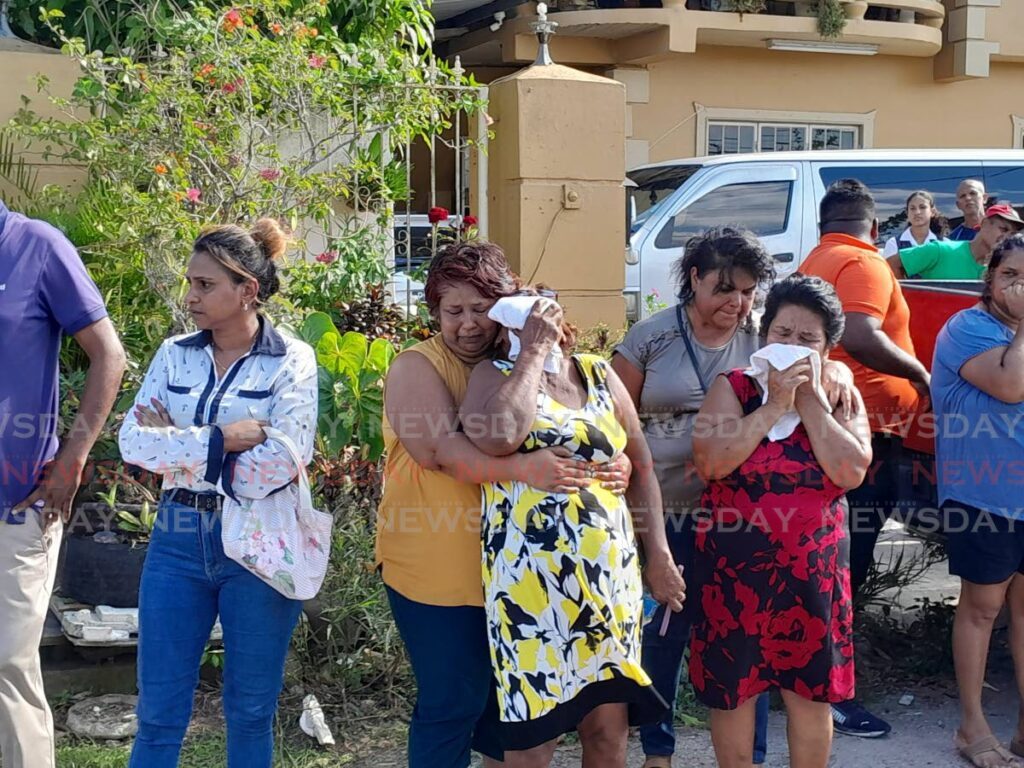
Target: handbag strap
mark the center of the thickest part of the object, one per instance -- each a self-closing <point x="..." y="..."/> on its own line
<point x="689" y="348"/>
<point x="305" y="493"/>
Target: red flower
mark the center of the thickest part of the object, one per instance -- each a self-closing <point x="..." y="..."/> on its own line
<point x="276" y="28"/>
<point x="270" y="174"/>
<point x="719" y="621"/>
<point x="233" y="20"/>
<point x="437" y="215"/>
<point x="750" y="686"/>
<point x="751" y="619"/>
<point x="316" y="61"/>
<point x="698" y="675"/>
<point x="468" y="221"/>
<point x="327" y="257"/>
<point x="841" y="681"/>
<point x="792" y="638"/>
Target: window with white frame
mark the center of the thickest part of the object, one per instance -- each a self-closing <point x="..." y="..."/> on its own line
<point x="728" y="137"/>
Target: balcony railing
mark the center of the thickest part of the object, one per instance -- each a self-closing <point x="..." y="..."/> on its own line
<point x="928" y="13"/>
<point x="610" y="32"/>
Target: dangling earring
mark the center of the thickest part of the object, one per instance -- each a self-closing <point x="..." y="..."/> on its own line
<point x="245" y="307"/>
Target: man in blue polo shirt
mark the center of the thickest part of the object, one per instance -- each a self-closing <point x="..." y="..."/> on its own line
<point x="44" y="293"/>
<point x="970" y="199"/>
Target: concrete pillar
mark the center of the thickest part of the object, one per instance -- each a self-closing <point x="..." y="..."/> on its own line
<point x="557" y="204"/>
<point x="966" y="52"/>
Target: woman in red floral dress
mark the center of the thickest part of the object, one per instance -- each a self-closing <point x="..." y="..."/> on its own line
<point x="771" y="568"/>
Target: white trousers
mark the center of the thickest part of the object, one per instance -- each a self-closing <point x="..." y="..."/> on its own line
<point x="28" y="565"/>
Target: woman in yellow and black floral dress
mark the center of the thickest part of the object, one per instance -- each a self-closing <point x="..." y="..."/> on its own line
<point x="562" y="578"/>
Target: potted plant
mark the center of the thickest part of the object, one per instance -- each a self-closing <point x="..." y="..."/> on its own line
<point x="734" y="6"/>
<point x="105" y="548"/>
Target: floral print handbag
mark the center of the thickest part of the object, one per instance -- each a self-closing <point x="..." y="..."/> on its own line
<point x="281" y="539"/>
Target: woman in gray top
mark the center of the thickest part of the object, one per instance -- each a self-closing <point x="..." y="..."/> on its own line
<point x="667" y="362"/>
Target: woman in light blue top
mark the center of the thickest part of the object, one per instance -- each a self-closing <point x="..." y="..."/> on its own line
<point x="978" y="396"/>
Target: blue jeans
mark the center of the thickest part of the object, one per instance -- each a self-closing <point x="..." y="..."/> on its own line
<point x="186" y="582"/>
<point x="662" y="656"/>
<point x="456" y="703"/>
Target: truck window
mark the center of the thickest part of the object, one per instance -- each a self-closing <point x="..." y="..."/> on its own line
<point x="655" y="184"/>
<point x="892" y="185"/>
<point x="761" y="206"/>
<point x="1005" y="183"/>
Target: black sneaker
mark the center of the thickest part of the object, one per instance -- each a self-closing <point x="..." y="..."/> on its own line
<point x="853" y="720"/>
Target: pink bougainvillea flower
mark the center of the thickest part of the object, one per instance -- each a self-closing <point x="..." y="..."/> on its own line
<point x="437" y="215"/>
<point x="233" y="20"/>
<point x="270" y="174"/>
<point x="192" y="195"/>
<point x="232" y="86"/>
<point x="327" y="257"/>
<point x="316" y="61"/>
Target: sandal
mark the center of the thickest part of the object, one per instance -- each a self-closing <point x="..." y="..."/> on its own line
<point x="971" y="752"/>
<point x="658" y="761"/>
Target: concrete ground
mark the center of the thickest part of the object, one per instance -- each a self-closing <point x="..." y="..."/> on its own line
<point x="922" y="733"/>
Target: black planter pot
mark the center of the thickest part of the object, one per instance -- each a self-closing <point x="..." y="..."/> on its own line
<point x="97" y="573"/>
<point x="102" y="574"/>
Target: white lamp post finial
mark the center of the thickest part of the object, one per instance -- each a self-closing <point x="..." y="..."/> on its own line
<point x="544" y="29"/>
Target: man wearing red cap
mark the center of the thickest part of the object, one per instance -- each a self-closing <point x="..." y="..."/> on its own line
<point x="958" y="260"/>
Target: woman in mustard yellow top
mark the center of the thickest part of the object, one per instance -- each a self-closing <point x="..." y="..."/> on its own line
<point x="428" y="525"/>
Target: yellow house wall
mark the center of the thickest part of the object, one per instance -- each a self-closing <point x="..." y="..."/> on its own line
<point x="20" y="64"/>
<point x="1004" y="25"/>
<point x="912" y="110"/>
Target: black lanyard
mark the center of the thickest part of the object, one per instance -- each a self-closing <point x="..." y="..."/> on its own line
<point x="689" y="349"/>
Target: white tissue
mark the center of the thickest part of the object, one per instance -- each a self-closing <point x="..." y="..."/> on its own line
<point x="781" y="357"/>
<point x="313" y="723"/>
<point x="512" y="313"/>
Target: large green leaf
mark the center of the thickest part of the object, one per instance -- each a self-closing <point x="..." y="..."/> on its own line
<point x="342" y="355"/>
<point x="368" y="433"/>
<point x="315" y="326"/>
<point x="379" y="358"/>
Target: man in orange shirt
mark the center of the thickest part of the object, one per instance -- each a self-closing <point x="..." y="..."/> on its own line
<point x="876" y="345"/>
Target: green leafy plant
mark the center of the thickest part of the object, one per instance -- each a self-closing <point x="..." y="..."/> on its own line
<point x="351" y="373"/>
<point x="119" y="27"/>
<point x="109" y="497"/>
<point x="140" y="524"/>
<point x="212" y="657"/>
<point x="227" y="115"/>
<point x="831" y="18"/>
<point x="749" y="6"/>
<point x="599" y="340"/>
<point x="653" y="302"/>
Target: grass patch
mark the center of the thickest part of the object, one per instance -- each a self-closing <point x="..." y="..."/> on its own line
<point x="204" y="751"/>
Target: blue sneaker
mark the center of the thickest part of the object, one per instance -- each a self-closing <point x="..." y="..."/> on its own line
<point x="852" y="719"/>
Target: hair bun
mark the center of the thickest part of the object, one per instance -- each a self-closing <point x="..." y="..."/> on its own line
<point x="270" y="238"/>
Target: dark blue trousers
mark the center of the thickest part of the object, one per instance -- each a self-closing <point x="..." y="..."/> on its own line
<point x="662" y="656"/>
<point x="456" y="705"/>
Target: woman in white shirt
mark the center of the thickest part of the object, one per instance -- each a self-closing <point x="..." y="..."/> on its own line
<point x="198" y="421"/>
<point x="926" y="224"/>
